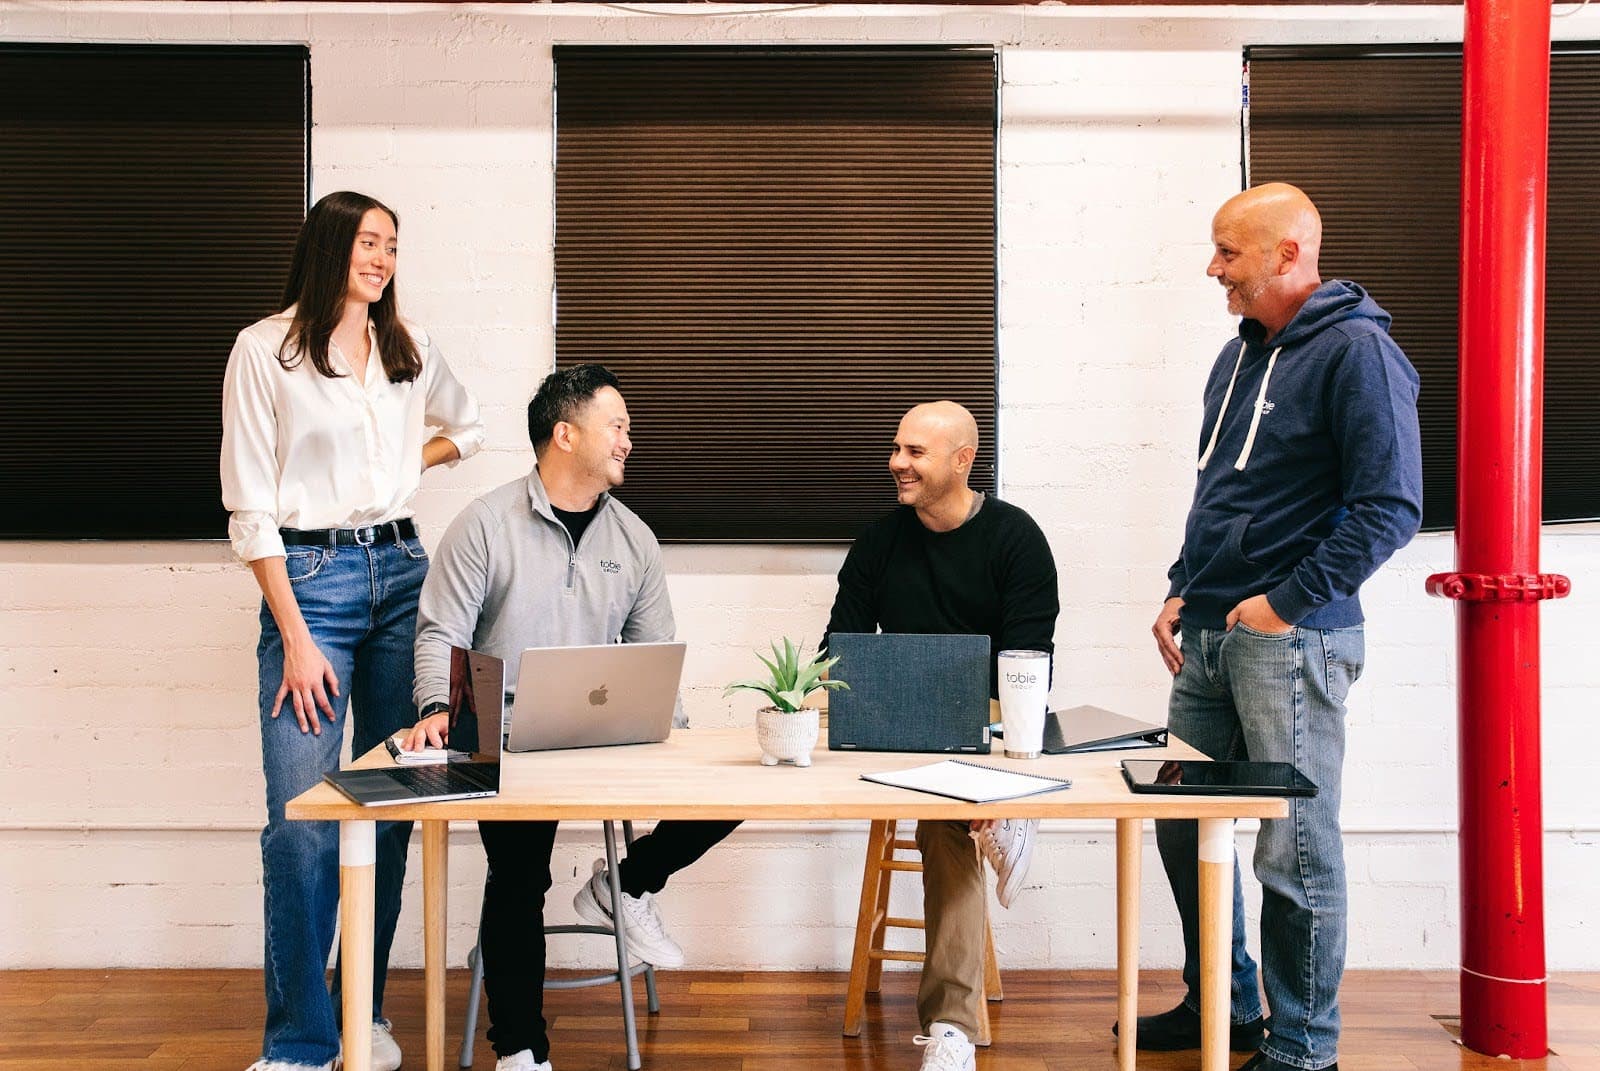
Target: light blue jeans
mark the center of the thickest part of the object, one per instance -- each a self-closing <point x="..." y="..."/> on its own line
<point x="1242" y="694"/>
<point x="361" y="606"/>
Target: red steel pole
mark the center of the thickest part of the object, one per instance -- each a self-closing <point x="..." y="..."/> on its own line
<point x="1505" y="138"/>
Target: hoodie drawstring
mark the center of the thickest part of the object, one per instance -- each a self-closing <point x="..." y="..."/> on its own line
<point x="1255" y="419"/>
<point x="1217" y="427"/>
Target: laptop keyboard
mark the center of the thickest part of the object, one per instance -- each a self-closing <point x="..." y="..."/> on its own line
<point x="438" y="780"/>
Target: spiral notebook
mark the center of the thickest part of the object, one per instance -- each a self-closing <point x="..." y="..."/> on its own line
<point x="972" y="781"/>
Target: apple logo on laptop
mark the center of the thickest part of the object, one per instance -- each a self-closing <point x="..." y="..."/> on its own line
<point x="597" y="698"/>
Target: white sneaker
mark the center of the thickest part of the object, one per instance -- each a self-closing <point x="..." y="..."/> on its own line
<point x="385" y="1054"/>
<point x="947" y="1049"/>
<point x="385" y="1051"/>
<point x="1008" y="845"/>
<point x="647" y="937"/>
<point x="520" y="1061"/>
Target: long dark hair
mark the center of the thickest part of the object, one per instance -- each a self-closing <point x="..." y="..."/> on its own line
<point x="319" y="276"/>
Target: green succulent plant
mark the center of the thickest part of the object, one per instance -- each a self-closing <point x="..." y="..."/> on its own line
<point x="790" y="680"/>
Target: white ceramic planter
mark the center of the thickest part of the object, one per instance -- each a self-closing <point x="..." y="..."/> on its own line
<point x="786" y="737"/>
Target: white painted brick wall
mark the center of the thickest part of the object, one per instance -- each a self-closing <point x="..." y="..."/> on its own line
<point x="132" y="789"/>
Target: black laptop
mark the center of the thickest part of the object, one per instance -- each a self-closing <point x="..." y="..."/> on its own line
<point x="477" y="705"/>
<point x="909" y="692"/>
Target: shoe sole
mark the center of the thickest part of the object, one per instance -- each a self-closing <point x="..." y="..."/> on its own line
<point x="1007" y="891"/>
<point x="1012" y="882"/>
<point x="591" y="912"/>
<point x="1192" y="1046"/>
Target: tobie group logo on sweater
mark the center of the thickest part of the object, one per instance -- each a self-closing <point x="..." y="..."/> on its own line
<point x="609" y="566"/>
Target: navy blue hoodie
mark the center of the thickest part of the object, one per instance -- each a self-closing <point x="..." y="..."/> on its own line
<point x="1310" y="466"/>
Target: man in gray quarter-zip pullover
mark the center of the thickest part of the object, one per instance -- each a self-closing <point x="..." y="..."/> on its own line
<point x="544" y="561"/>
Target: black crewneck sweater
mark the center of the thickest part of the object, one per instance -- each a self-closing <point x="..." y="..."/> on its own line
<point x="993" y="575"/>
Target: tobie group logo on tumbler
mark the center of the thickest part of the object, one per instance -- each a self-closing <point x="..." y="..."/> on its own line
<point x="1024" y="698"/>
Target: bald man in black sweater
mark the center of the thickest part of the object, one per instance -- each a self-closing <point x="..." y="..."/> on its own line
<point x="952" y="560"/>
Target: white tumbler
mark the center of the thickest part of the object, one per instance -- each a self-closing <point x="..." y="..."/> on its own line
<point x="1024" y="698"/>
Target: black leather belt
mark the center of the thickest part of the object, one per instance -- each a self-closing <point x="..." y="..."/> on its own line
<point x="364" y="536"/>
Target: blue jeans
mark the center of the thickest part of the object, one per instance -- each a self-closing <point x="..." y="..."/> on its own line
<point x="1243" y="694"/>
<point x="361" y="606"/>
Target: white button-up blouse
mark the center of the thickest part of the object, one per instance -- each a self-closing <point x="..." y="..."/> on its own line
<point x="302" y="450"/>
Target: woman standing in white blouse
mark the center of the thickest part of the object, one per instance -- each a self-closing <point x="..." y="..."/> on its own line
<point x="327" y="408"/>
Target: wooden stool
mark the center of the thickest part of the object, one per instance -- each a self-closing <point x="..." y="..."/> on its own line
<point x="874" y="920"/>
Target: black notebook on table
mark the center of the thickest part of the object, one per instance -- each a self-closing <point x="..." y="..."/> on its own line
<point x="1097" y="729"/>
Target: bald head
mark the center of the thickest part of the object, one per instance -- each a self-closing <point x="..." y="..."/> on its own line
<point x="933" y="452"/>
<point x="1275" y="212"/>
<point x="948" y="424"/>
<point x="1267" y="241"/>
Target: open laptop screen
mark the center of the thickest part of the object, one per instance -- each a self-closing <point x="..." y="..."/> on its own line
<point x="472" y="768"/>
<point x="477" y="695"/>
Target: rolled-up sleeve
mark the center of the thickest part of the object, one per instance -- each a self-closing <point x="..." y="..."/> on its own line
<point x="450" y="407"/>
<point x="249" y="453"/>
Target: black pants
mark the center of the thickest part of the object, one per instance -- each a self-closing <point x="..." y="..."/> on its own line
<point x="513" y="931"/>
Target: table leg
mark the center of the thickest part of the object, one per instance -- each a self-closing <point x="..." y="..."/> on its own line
<point x="1216" y="939"/>
<point x="435" y="874"/>
<point x="1130" y="846"/>
<point x="358" y="854"/>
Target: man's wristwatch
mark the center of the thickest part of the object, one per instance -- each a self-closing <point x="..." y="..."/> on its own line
<point x="433" y="708"/>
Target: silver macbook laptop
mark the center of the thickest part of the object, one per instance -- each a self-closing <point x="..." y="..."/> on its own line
<point x="611" y="693"/>
<point x="477" y="705"/>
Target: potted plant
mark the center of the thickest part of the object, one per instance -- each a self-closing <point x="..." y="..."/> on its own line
<point x="787" y="730"/>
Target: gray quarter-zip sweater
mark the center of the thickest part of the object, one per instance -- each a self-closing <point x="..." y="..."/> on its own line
<point x="507" y="577"/>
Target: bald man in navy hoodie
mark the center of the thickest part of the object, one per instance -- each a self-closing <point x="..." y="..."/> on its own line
<point x="1310" y="477"/>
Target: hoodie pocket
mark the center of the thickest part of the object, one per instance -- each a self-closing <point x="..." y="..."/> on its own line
<point x="1213" y="547"/>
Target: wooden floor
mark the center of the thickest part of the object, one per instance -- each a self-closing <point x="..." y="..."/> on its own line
<point x="1049" y="1021"/>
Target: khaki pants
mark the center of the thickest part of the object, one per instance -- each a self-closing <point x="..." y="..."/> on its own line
<point x="953" y="892"/>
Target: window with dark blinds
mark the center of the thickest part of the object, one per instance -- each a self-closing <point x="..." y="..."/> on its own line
<point x="1374" y="136"/>
<point x="778" y="251"/>
<point x="149" y="200"/>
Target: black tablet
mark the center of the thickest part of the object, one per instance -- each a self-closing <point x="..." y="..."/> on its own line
<point x="1206" y="778"/>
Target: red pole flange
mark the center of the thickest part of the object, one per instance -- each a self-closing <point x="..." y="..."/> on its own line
<point x="1509" y="587"/>
<point x="1498" y="586"/>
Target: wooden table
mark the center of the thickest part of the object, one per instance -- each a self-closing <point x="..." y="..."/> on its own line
<point x="716" y="774"/>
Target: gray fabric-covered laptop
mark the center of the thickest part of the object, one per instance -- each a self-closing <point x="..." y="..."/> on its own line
<point x="909" y="692"/>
